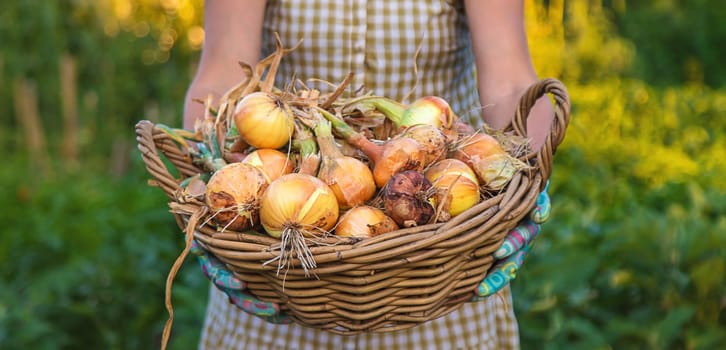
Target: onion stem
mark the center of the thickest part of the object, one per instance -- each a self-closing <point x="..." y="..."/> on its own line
<point x="326" y="142"/>
<point x="391" y="109"/>
<point x="350" y="179"/>
<point x="358" y="140"/>
<point x="304" y="143"/>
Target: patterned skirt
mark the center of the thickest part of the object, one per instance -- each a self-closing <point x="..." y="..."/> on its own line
<point x="487" y="324"/>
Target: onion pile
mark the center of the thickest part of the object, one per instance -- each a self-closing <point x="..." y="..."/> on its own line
<point x="301" y="165"/>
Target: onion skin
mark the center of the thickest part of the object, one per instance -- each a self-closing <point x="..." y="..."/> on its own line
<point x="406" y="199"/>
<point x="479" y="145"/>
<point x="431" y="110"/>
<point x="271" y="162"/>
<point x="497" y="170"/>
<point x="462" y="128"/>
<point x="456" y="184"/>
<point x="350" y="179"/>
<point x="363" y="222"/>
<point x="494" y="167"/>
<point x="298" y="200"/>
<point x="263" y="120"/>
<point x="398" y="154"/>
<point x="432" y="140"/>
<point x="233" y="196"/>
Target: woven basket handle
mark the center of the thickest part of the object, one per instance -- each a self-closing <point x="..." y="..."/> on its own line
<point x="150" y="155"/>
<point x="559" y="124"/>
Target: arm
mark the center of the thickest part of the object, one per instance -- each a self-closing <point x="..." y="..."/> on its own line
<point x="233" y="31"/>
<point x="504" y="65"/>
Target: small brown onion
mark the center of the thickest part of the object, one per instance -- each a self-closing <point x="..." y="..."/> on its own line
<point x="233" y="196"/>
<point x="398" y="154"/>
<point x="407" y="199"/>
<point x="457" y="188"/>
<point x="364" y="221"/>
<point x="271" y="162"/>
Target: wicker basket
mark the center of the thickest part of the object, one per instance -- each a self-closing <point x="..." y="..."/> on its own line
<point x="386" y="283"/>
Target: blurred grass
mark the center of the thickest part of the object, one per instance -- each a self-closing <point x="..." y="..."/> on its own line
<point x="634" y="256"/>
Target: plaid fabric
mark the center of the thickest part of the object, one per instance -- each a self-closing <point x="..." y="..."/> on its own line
<point x="489" y="324"/>
<point x="377" y="40"/>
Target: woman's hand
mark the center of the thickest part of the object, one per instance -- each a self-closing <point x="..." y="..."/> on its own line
<point x="232" y="34"/>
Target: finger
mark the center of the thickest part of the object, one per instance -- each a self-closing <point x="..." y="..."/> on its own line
<point x="280" y="318"/>
<point x="226" y="279"/>
<point x="196" y="249"/>
<point x="517" y="238"/>
<point x="501" y="274"/>
<point x="542" y="209"/>
<point x="252" y="305"/>
<point x="216" y="271"/>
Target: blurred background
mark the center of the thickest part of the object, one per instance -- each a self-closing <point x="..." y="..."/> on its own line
<point x="634" y="256"/>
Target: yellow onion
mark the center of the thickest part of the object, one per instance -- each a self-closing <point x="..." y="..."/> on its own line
<point x="364" y="221"/>
<point x="296" y="207"/>
<point x="431" y="110"/>
<point x="457" y="187"/>
<point x="350" y="179"/>
<point x="493" y="166"/>
<point x="431" y="138"/>
<point x="233" y="196"/>
<point x="271" y="162"/>
<point x="263" y="120"/>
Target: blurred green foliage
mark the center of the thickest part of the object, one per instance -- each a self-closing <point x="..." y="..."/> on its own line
<point x="79" y="273"/>
<point x="634" y="256"/>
